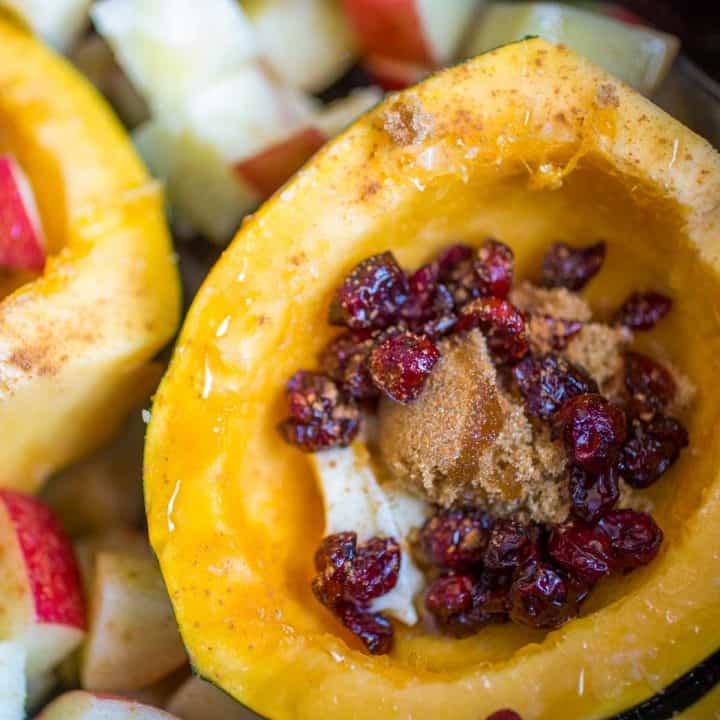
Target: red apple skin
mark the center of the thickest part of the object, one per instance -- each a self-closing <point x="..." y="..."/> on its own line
<point x="21" y="246"/>
<point x="390" y="28"/>
<point x="392" y="74"/>
<point x="269" y="169"/>
<point x="618" y="12"/>
<point x="49" y="559"/>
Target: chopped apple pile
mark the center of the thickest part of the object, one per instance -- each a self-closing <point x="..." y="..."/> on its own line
<point x="197" y="699"/>
<point x="22" y="244"/>
<point x="42" y="606"/>
<point x="355" y="500"/>
<point x="12" y="681"/>
<point x="81" y="705"/>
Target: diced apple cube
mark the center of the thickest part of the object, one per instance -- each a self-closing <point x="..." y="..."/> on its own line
<point x="354" y="500"/>
<point x="171" y="48"/>
<point x="392" y="74"/>
<point x="308" y="43"/>
<point x="22" y="245"/>
<point x="421" y="32"/>
<point x="39" y="689"/>
<point x="12" y="681"/>
<point x="79" y="705"/>
<point x="133" y="638"/>
<point x="638" y="55"/>
<point x="42" y="605"/>
<point x="197" y="699"/>
<point x="58" y="22"/>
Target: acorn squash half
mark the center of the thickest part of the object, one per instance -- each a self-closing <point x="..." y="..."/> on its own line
<point x="75" y="341"/>
<point x="529" y="143"/>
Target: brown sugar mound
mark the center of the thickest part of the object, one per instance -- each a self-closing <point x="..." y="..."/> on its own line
<point x="557" y="302"/>
<point x="465" y="441"/>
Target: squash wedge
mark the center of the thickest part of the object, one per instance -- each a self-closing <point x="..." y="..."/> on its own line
<point x="75" y="342"/>
<point x="529" y="143"/>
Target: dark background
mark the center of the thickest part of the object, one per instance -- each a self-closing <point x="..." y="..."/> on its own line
<point x="696" y="22"/>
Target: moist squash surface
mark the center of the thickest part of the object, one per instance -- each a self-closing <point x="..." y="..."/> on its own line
<point x="529" y="143"/>
<point x="75" y="342"/>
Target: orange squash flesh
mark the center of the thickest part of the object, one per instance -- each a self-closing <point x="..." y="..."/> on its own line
<point x="75" y="342"/>
<point x="529" y="143"/>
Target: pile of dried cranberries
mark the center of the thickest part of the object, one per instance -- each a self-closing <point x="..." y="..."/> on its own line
<point x="486" y="569"/>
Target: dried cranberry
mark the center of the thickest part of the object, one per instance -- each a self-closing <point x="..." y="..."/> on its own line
<point x="511" y="545"/>
<point x="504" y="714"/>
<point x="593" y="430"/>
<point x="641" y="311"/>
<point x="401" y="364"/>
<point x="333" y="560"/>
<point x="456" y="270"/>
<point x="345" y="360"/>
<point x="651" y="450"/>
<point x="556" y="332"/>
<point x="571" y="268"/>
<point x="429" y="307"/>
<point x="371" y="294"/>
<point x="546" y="382"/>
<point x="320" y="416"/>
<point x="355" y="573"/>
<point x="634" y="537"/>
<point x="651" y="386"/>
<point x="582" y="550"/>
<point x="539" y="597"/>
<point x="593" y="495"/>
<point x="494" y="264"/>
<point x="455" y="538"/>
<point x="501" y="323"/>
<point x="462" y="604"/>
<point x="452" y="256"/>
<point x="450" y="595"/>
<point x="375" y="631"/>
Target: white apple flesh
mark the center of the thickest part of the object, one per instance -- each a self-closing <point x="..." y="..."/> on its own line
<point x="58" y="22"/>
<point x="12" y="681"/>
<point x="171" y="48"/>
<point x="79" y="705"/>
<point x="42" y="605"/>
<point x="420" y="32"/>
<point x="133" y="639"/>
<point x="308" y="43"/>
<point x="354" y="500"/>
<point x="22" y="245"/>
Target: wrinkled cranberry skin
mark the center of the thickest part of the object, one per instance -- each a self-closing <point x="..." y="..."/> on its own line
<point x="571" y="268"/>
<point x="455" y="538"/>
<point x="635" y="538"/>
<point x="371" y="295"/>
<point x="452" y="256"/>
<point x="401" y="364"/>
<point x="373" y="629"/>
<point x="650" y="385"/>
<point x="593" y="430"/>
<point x="494" y="265"/>
<point x="593" y="495"/>
<point x="651" y="450"/>
<point x="642" y="311"/>
<point x="538" y="597"/>
<point x="450" y="595"/>
<point x="456" y="270"/>
<point x="504" y="714"/>
<point x="345" y="360"/>
<point x="353" y="573"/>
<point x="582" y="550"/>
<point x="511" y="545"/>
<point x="333" y="560"/>
<point x="547" y="382"/>
<point x="429" y="307"/>
<point x="502" y="324"/>
<point x="320" y="416"/>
